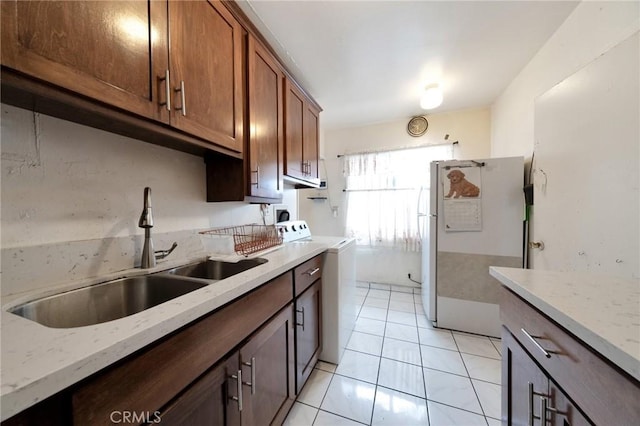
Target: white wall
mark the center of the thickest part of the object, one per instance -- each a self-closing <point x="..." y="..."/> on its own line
<point x="65" y="182"/>
<point x="593" y="28"/>
<point x="591" y="32"/>
<point x="472" y="128"/>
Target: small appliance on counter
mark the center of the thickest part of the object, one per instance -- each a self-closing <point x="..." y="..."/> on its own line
<point x="339" y="309"/>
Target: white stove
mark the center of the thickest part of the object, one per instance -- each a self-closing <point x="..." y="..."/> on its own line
<point x="293" y="230"/>
<point x="339" y="308"/>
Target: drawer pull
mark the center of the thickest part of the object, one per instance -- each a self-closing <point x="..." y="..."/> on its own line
<point x="535" y="342"/>
<point x="252" y="383"/>
<point x="313" y="271"/>
<point x="238" y="398"/>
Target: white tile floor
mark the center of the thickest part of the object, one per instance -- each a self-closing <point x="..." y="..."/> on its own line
<point x="399" y="370"/>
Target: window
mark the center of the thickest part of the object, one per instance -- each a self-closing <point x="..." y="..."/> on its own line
<point x="382" y="194"/>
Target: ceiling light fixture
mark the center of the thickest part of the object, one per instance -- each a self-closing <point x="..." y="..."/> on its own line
<point x="432" y="96"/>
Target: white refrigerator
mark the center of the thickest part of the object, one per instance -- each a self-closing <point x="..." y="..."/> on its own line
<point x="472" y="219"/>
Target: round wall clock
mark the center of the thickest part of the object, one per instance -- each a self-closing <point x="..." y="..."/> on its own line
<point x="417" y="126"/>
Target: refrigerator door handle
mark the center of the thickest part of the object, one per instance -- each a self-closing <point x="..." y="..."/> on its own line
<point x="420" y="215"/>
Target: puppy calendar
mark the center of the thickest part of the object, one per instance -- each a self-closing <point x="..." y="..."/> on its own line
<point x="462" y="199"/>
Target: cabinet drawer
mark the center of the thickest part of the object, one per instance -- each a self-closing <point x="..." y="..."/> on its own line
<point x="605" y="393"/>
<point x="307" y="273"/>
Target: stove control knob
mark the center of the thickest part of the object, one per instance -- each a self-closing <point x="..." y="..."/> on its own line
<point x="293" y="227"/>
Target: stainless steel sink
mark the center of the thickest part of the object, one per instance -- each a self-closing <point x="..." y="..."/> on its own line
<point x="105" y="302"/>
<point x="215" y="269"/>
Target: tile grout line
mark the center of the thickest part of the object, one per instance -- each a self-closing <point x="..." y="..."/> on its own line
<point x="375" y="393"/>
<point x="424" y="379"/>
<point x="484" y="414"/>
<point x="417" y="327"/>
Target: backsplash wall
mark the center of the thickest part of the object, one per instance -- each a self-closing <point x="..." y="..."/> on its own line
<point x="65" y="182"/>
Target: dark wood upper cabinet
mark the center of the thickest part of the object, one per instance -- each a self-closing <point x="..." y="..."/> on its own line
<point x="190" y="75"/>
<point x="113" y="52"/>
<point x="206" y="72"/>
<point x="294" y="112"/>
<point x="265" y="123"/>
<point x="301" y="136"/>
<point x="179" y="63"/>
<point x="311" y="141"/>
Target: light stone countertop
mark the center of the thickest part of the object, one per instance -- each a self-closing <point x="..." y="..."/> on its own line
<point x="38" y="361"/>
<point x="602" y="311"/>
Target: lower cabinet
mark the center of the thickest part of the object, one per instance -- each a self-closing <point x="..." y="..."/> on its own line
<point x="550" y="377"/>
<point x="253" y="386"/>
<point x="308" y="332"/>
<point x="531" y="397"/>
<point x="266" y="362"/>
<point x="307" y="291"/>
<point x="212" y="400"/>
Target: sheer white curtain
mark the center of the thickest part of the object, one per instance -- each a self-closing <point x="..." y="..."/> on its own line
<point x="382" y="194"/>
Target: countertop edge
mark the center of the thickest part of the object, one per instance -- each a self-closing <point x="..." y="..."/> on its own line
<point x="596" y="342"/>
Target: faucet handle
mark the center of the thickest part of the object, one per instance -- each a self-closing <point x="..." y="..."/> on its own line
<point x="161" y="254"/>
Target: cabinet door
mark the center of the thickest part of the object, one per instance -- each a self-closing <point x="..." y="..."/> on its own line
<point x="294" y="106"/>
<point x="310" y="148"/>
<point x="268" y="371"/>
<point x="308" y="332"/>
<point x="111" y="51"/>
<point x="301" y="135"/>
<point x="265" y="123"/>
<point x="566" y="413"/>
<point x="211" y="400"/>
<point x="206" y="71"/>
<point x="522" y="381"/>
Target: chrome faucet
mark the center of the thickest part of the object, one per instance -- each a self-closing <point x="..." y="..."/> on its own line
<point x="149" y="256"/>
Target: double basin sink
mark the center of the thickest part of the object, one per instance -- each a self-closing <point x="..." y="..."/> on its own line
<point x="122" y="297"/>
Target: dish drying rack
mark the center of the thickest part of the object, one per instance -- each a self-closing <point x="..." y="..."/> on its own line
<point x="248" y="239"/>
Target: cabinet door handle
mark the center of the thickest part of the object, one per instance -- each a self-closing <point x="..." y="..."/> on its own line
<point x="183" y="107"/>
<point x="535" y="342"/>
<point x="238" y="398"/>
<point x="313" y="272"/>
<point x="532" y="393"/>
<point x="301" y="311"/>
<point x="544" y="408"/>
<point x="257" y="172"/>
<point x="252" y="383"/>
<point x="167" y="90"/>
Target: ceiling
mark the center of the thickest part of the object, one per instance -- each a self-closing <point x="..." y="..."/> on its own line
<point x="368" y="61"/>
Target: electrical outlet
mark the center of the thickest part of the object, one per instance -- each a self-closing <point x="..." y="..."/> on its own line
<point x="334" y="210"/>
<point x="265" y="210"/>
